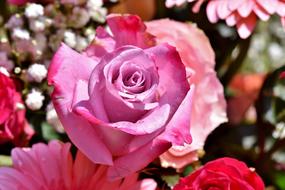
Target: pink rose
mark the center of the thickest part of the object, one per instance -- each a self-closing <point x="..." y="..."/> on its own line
<point x="51" y="167"/>
<point x="123" y="101"/>
<point x="223" y="174"/>
<point x="209" y="105"/>
<point x="13" y="124"/>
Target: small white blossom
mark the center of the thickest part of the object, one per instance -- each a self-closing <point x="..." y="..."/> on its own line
<point x="70" y="38"/>
<point x="34" y="10"/>
<point x="96" y="11"/>
<point x="90" y="34"/>
<point x="53" y="120"/>
<point x="37" y="72"/>
<point x="81" y="43"/>
<point x="79" y="17"/>
<point x="94" y="3"/>
<point x="34" y="100"/>
<point x="19" y="33"/>
<point x="37" y="25"/>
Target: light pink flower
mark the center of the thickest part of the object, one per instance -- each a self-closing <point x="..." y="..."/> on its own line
<point x="209" y="106"/>
<point x="51" y="167"/>
<point x="123" y="101"/>
<point x="241" y="13"/>
<point x="13" y="124"/>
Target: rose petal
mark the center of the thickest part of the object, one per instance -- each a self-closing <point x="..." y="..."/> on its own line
<point x="171" y="72"/>
<point x="178" y="129"/>
<point x="129" y="30"/>
<point x="125" y="165"/>
<point x="64" y="74"/>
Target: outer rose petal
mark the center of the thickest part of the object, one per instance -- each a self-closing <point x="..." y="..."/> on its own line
<point x="126" y="164"/>
<point x="126" y="30"/>
<point x="64" y="74"/>
<point x="209" y="105"/>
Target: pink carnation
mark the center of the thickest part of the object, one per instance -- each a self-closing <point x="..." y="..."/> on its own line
<point x="125" y="100"/>
<point x="51" y="167"/>
<point x="209" y="106"/>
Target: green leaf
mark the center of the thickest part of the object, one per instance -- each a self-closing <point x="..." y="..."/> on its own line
<point x="188" y="170"/>
<point x="48" y="132"/>
<point x="171" y="180"/>
<point x="5" y="160"/>
<point x="280" y="180"/>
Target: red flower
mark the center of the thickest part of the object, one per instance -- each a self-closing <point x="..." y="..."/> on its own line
<point x="223" y="173"/>
<point x="13" y="125"/>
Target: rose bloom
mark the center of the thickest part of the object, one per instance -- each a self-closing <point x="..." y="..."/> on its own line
<point x="13" y="125"/>
<point x="222" y="174"/>
<point x="124" y="101"/>
<point x="209" y="105"/>
<point x="51" y="167"/>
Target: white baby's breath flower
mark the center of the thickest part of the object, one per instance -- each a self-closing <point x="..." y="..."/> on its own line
<point x="37" y="72"/>
<point x="19" y="33"/>
<point x="34" y="100"/>
<point x="81" y="43"/>
<point x="70" y="38"/>
<point x="53" y="120"/>
<point x="37" y="25"/>
<point x="94" y="3"/>
<point x="96" y="11"/>
<point x="79" y="17"/>
<point x="34" y="10"/>
<point x="279" y="132"/>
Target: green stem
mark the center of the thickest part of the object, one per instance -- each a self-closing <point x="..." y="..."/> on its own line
<point x="237" y="63"/>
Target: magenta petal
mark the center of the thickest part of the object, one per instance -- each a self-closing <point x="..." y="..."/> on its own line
<point x="173" y="85"/>
<point x="108" y="135"/>
<point x="125" y="165"/>
<point x="102" y="44"/>
<point x="178" y="129"/>
<point x="149" y="124"/>
<point x="129" y="30"/>
<point x="66" y="69"/>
